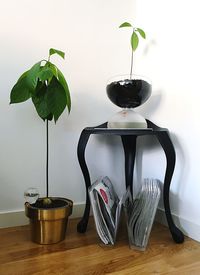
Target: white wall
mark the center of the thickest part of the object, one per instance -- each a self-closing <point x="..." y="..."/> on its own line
<point x="95" y="50"/>
<point x="88" y="32"/>
<point x="172" y="62"/>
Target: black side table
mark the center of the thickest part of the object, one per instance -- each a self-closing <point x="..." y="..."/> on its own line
<point x="128" y="137"/>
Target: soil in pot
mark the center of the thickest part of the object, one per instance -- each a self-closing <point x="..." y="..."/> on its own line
<point x="54" y="203"/>
<point x="129" y="93"/>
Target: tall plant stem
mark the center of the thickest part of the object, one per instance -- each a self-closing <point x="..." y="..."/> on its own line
<point x="131" y="72"/>
<point x="47" y="159"/>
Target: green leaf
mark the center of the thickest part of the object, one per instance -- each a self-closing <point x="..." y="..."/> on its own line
<point x="40" y="101"/>
<point x="45" y="73"/>
<point x="60" y="53"/>
<point x="56" y="98"/>
<point x="63" y="82"/>
<point x="32" y="76"/>
<point x="141" y="32"/>
<point x="125" y="24"/>
<point x="134" y="41"/>
<point x="22" y="76"/>
<point x="20" y="92"/>
<point x="50" y="116"/>
<point x="53" y="69"/>
<point x="58" y="74"/>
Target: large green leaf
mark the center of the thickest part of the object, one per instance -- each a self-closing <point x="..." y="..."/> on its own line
<point x="125" y="24"/>
<point x="63" y="82"/>
<point x="134" y="41"/>
<point x="40" y="101"/>
<point x="56" y="98"/>
<point x="141" y="32"/>
<point x="20" y="92"/>
<point x="22" y="76"/>
<point x="53" y="69"/>
<point x="32" y="76"/>
<point x="60" y="53"/>
<point x="45" y="73"/>
<point x="58" y="74"/>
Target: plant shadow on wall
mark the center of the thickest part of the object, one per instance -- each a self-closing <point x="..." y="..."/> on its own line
<point x="45" y="84"/>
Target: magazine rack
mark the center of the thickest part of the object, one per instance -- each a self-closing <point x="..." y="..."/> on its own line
<point x="128" y="137"/>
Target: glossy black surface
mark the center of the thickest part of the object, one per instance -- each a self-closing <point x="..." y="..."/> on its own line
<point x="129" y="93"/>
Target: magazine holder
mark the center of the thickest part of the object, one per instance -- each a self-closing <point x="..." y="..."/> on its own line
<point x="128" y="137"/>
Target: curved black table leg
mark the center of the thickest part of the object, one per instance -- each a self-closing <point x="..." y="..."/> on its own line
<point x="82" y="225"/>
<point x="129" y="145"/>
<point x="128" y="138"/>
<point x="168" y="148"/>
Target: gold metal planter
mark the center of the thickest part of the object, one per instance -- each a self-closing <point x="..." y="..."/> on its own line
<point x="48" y="226"/>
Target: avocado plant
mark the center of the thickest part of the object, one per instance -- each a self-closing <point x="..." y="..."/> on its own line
<point x="134" y="40"/>
<point x="46" y="86"/>
<point x="129" y="91"/>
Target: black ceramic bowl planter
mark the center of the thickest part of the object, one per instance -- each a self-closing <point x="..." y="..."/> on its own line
<point x="128" y="93"/>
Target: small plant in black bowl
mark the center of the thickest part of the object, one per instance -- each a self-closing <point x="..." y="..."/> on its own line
<point x="129" y="91"/>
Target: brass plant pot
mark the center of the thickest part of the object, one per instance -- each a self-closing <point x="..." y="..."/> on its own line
<point x="48" y="226"/>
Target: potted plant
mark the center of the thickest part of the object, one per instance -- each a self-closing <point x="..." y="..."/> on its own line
<point x="129" y="91"/>
<point x="45" y="84"/>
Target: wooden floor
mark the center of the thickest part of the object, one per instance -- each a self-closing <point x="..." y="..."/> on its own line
<point x="83" y="254"/>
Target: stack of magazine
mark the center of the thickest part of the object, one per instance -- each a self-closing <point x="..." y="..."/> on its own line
<point x="106" y="208"/>
<point x="139" y="212"/>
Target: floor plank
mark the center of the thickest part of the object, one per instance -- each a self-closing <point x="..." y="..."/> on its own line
<point x="84" y="254"/>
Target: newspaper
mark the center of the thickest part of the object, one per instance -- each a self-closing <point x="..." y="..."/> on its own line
<point x="106" y="208"/>
<point x="139" y="212"/>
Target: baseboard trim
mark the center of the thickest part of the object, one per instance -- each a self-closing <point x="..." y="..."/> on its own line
<point x="13" y="218"/>
<point x="188" y="228"/>
<point x="18" y="218"/>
